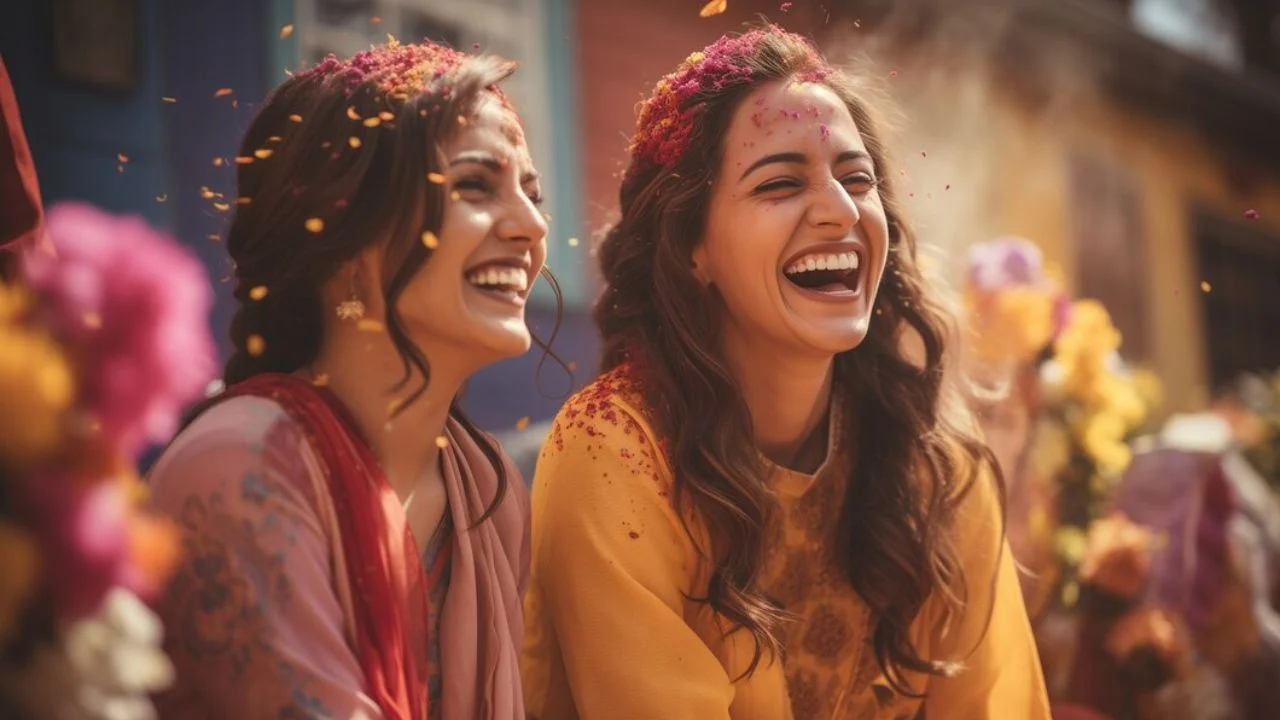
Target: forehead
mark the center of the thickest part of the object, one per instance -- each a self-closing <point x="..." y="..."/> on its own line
<point x="491" y="126"/>
<point x="791" y="116"/>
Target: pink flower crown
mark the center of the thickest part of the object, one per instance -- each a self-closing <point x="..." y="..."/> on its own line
<point x="395" y="68"/>
<point x="664" y="127"/>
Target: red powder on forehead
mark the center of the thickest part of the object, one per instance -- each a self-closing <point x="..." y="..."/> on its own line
<point x="666" y="119"/>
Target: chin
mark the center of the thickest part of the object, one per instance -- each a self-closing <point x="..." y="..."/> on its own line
<point x="831" y="339"/>
<point x="503" y="343"/>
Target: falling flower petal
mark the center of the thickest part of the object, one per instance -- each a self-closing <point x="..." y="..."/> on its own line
<point x="442" y="442"/>
<point x="244" y="160"/>
<point x="372" y="121"/>
<point x="122" y="157"/>
<point x="222" y="92"/>
<point x="295" y="118"/>
<point x="255" y="345"/>
<point x="169" y="99"/>
<point x="369" y="325"/>
<point x="522" y="423"/>
<point x="315" y="224"/>
<point x="715" y="7"/>
<point x="351" y="113"/>
<point x="430" y="240"/>
<point x="436" y="178"/>
<point x="258" y="293"/>
<point x="1205" y="286"/>
<point x="353" y="141"/>
<point x="263" y="153"/>
<point x="286" y="31"/>
<point x="573" y="242"/>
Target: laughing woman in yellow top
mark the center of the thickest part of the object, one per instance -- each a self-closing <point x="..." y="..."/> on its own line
<point x="765" y="508"/>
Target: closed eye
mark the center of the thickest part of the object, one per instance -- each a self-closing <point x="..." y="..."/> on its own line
<point x="778" y="184"/>
<point x="859" y="182"/>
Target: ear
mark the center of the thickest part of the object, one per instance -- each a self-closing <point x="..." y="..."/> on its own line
<point x="699" y="265"/>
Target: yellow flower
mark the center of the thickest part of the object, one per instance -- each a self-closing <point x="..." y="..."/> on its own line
<point x="19" y="557"/>
<point x="36" y="388"/>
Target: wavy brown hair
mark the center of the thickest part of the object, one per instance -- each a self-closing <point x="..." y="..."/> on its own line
<point x="915" y="448"/>
<point x="334" y="163"/>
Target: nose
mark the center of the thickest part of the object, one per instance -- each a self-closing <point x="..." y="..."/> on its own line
<point x="834" y="208"/>
<point x="523" y="222"/>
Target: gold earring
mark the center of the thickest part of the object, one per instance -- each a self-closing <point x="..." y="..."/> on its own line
<point x="352" y="309"/>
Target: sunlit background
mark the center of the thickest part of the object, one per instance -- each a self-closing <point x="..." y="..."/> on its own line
<point x="1138" y="143"/>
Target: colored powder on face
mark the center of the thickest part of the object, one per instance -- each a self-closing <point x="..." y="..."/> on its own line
<point x="667" y="118"/>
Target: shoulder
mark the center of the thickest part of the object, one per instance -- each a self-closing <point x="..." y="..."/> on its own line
<point x="607" y="417"/>
<point x="244" y="452"/>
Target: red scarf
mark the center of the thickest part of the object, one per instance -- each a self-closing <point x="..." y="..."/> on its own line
<point x="381" y="568"/>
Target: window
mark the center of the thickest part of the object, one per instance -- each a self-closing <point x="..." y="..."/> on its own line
<point x="1241" y="309"/>
<point x="1110" y="247"/>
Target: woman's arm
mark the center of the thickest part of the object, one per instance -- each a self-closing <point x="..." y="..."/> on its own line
<point x="252" y="622"/>
<point x="1001" y="676"/>
<point x="611" y="566"/>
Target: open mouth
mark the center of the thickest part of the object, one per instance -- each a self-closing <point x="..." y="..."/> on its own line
<point x="831" y="273"/>
<point x="501" y="281"/>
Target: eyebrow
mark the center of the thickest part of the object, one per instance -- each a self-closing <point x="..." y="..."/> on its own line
<point x="801" y="158"/>
<point x="491" y="163"/>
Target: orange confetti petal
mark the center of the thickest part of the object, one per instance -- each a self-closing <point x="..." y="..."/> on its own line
<point x="295" y="117"/>
<point x="258" y="293"/>
<point x="436" y="178"/>
<point x="522" y="423"/>
<point x="315" y="224"/>
<point x="286" y="31"/>
<point x="243" y="160"/>
<point x="351" y="112"/>
<point x="222" y="92"/>
<point x="430" y="240"/>
<point x="369" y="325"/>
<point x="455" y="195"/>
<point x="375" y="20"/>
<point x="255" y="345"/>
<point x="1205" y="286"/>
<point x="372" y="122"/>
<point x="169" y="99"/>
<point x="715" y="7"/>
<point x="442" y="442"/>
<point x="206" y="193"/>
<point x="122" y="157"/>
<point x="244" y="200"/>
<point x="353" y="141"/>
<point x="386" y="116"/>
<point x="462" y="120"/>
<point x="263" y="153"/>
<point x="573" y="242"/>
<point x="161" y="197"/>
<point x="221" y="206"/>
<point x="217" y="162"/>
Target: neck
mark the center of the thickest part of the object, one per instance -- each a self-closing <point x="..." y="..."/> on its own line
<point x="788" y="396"/>
<point x="361" y="369"/>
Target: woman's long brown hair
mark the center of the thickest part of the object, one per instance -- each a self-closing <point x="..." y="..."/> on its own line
<point x="915" y="450"/>
<point x="318" y="185"/>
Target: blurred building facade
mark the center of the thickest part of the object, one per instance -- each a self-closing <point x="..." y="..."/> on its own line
<point x="1129" y="138"/>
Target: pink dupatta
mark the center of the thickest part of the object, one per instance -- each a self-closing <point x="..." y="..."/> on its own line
<point x="482" y="625"/>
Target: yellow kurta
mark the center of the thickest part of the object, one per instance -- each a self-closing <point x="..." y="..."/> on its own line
<point x="611" y="633"/>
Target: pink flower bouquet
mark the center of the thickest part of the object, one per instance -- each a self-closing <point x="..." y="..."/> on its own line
<point x="101" y="347"/>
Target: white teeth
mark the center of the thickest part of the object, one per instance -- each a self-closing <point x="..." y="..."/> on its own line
<point x="840" y="261"/>
<point x="503" y="278"/>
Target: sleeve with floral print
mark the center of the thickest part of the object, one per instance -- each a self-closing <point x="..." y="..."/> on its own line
<point x="252" y="621"/>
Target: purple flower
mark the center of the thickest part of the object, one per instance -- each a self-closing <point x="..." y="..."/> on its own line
<point x="132" y="307"/>
<point x="1005" y="262"/>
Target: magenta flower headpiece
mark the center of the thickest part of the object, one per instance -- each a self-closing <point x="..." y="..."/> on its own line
<point x="666" y="119"/>
<point x="395" y="68"/>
